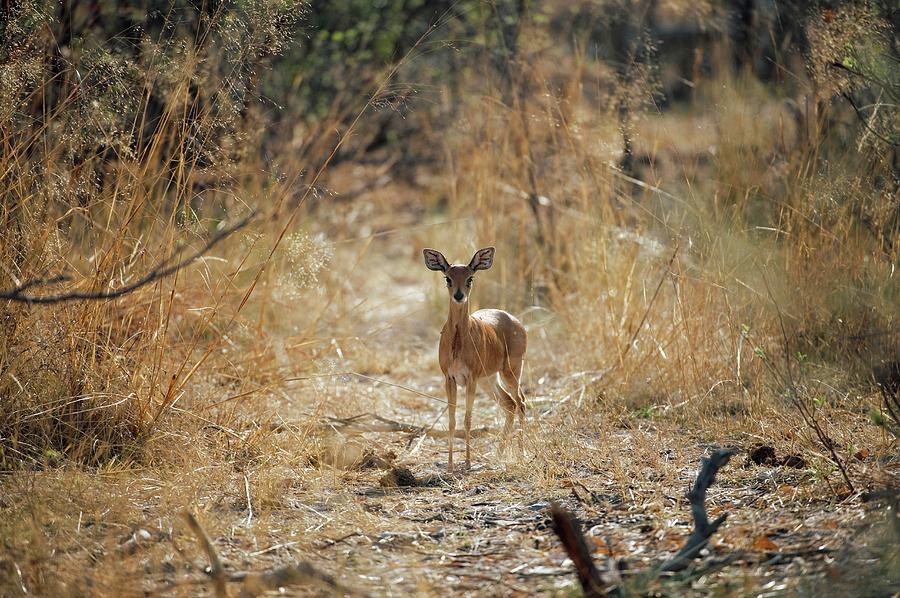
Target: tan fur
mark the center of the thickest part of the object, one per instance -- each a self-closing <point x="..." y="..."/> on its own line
<point x="489" y="343"/>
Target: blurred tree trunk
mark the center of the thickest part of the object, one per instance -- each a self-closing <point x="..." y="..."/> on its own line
<point x="743" y="35"/>
<point x="630" y="53"/>
<point x="61" y="51"/>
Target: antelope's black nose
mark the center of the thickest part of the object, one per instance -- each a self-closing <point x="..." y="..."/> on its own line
<point x="458" y="295"/>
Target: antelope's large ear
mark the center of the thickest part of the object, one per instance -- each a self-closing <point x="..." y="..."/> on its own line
<point x="483" y="259"/>
<point x="435" y="260"/>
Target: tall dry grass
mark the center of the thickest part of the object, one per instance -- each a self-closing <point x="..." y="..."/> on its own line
<point x="782" y="230"/>
<point x="119" y="156"/>
<point x="113" y="162"/>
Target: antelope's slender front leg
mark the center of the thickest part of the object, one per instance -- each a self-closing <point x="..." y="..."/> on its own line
<point x="450" y="387"/>
<point x="470" y="401"/>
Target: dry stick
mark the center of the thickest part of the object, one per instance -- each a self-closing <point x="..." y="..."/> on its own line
<point x="567" y="528"/>
<point x="426" y="433"/>
<point x="162" y="270"/>
<point x="359" y="424"/>
<point x="216" y="571"/>
<point x="703" y="529"/>
<point x="865" y="122"/>
<point x="249" y="504"/>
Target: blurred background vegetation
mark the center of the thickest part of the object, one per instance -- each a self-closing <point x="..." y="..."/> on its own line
<point x="758" y="140"/>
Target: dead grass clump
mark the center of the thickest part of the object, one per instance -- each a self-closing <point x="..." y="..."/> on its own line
<point x="68" y="388"/>
<point x="119" y="159"/>
<point x="772" y="224"/>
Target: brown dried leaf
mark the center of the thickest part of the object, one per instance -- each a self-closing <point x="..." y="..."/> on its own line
<point x="764" y="543"/>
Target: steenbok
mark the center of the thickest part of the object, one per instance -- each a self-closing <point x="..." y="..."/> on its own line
<point x="486" y="345"/>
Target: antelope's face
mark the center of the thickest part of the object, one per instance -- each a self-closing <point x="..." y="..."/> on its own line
<point x="459" y="277"/>
<point x="459" y="282"/>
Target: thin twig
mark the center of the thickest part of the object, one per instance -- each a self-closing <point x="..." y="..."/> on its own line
<point x="249" y="504"/>
<point x="807" y="415"/>
<point x="865" y="122"/>
<point x="363" y="423"/>
<point x="637" y="330"/>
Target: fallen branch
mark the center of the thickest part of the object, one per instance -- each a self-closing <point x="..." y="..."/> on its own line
<point x="567" y="528"/>
<point x="162" y="270"/>
<point x="370" y="422"/>
<point x="703" y="529"/>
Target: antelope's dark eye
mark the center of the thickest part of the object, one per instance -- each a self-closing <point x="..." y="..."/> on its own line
<point x="449" y="282"/>
<point x="469" y="283"/>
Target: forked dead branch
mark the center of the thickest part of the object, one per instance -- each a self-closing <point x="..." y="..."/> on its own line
<point x="703" y="529"/>
<point x="567" y="528"/>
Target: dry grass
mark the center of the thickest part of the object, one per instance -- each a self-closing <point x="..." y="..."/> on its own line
<point x="746" y="273"/>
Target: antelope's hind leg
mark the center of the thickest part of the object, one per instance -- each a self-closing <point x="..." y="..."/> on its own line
<point x="509" y="406"/>
<point x="511" y="380"/>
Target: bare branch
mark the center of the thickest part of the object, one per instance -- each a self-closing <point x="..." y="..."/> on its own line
<point x="703" y="529"/>
<point x="567" y="528"/>
<point x="162" y="270"/>
<point x="358" y="424"/>
<point x="865" y="122"/>
<point x="805" y="412"/>
<point x="864" y="76"/>
<point x="371" y="422"/>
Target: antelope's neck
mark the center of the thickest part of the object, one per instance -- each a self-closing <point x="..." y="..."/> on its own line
<point x="458" y="318"/>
